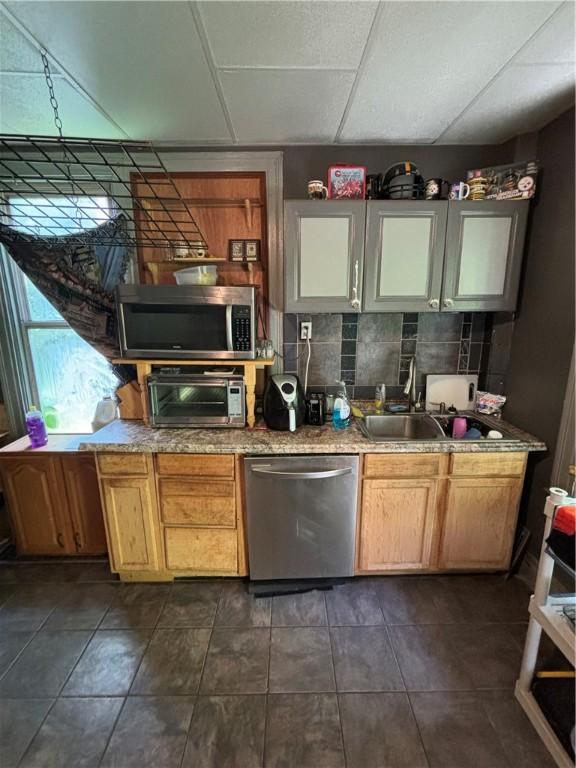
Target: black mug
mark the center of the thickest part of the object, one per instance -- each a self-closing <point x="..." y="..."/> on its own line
<point x="373" y="186"/>
<point x="435" y="188"/>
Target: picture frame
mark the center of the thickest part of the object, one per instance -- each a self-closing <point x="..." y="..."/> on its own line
<point x="347" y="182"/>
<point x="244" y="250"/>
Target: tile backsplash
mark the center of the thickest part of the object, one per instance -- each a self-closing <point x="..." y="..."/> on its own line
<point x="369" y="349"/>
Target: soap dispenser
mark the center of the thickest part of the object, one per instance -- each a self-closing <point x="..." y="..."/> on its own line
<point x="342" y="412"/>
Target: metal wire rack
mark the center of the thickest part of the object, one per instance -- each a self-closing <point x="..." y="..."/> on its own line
<point x="64" y="187"/>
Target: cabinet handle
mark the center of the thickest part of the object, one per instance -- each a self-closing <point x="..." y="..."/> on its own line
<point x="77" y="541"/>
<point x="60" y="540"/>
<point x="448" y="303"/>
<point x="434" y="303"/>
<point x="355" y="300"/>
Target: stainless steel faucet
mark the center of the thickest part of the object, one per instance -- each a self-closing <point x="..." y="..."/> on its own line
<point x="410" y="386"/>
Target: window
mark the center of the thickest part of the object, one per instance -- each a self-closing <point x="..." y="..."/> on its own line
<point x="66" y="376"/>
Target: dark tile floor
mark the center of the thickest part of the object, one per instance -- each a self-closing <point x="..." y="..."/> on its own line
<point x="411" y="672"/>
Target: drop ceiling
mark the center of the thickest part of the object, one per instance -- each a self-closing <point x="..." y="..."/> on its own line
<point x="262" y="73"/>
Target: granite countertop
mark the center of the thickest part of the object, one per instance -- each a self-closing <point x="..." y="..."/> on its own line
<point x="136" y="437"/>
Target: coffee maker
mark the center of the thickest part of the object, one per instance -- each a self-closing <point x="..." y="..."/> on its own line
<point x="284" y="405"/>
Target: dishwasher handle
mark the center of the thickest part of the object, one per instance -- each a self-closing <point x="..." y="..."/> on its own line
<point x="304" y="475"/>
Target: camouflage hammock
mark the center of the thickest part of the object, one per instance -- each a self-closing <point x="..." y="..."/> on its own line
<point x="77" y="275"/>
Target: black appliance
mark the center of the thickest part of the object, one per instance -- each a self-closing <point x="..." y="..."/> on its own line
<point x="201" y="322"/>
<point x="403" y="181"/>
<point x="316" y="409"/>
<point x="284" y="405"/>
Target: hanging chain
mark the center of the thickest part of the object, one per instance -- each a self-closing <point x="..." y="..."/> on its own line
<point x="53" y="99"/>
<point x="58" y="124"/>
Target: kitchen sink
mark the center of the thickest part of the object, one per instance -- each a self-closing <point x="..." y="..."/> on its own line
<point x="409" y="426"/>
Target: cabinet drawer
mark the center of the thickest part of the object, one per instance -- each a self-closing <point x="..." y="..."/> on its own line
<point x="206" y="550"/>
<point x="475" y="464"/>
<point x="208" y="465"/>
<point x="405" y="464"/>
<point x="197" y="502"/>
<point x="122" y="464"/>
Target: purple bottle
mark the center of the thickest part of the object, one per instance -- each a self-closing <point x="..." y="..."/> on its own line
<point x="36" y="427"/>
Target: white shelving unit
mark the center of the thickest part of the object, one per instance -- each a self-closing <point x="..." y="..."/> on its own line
<point x="546" y="614"/>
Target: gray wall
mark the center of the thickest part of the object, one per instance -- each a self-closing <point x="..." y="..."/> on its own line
<point x="543" y="334"/>
<point x="449" y="162"/>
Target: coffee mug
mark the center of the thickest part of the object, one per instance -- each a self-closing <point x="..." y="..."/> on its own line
<point x="478" y="188"/>
<point x="373" y="186"/>
<point x="459" y="190"/>
<point x="317" y="190"/>
<point x="435" y="189"/>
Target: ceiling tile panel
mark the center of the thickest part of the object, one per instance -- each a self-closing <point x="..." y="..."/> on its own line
<point x="141" y="61"/>
<point x="521" y="99"/>
<point x="275" y="106"/>
<point x="326" y="35"/>
<point x="430" y="59"/>
<point x="554" y="43"/>
<point x="17" y="54"/>
<point x="25" y="108"/>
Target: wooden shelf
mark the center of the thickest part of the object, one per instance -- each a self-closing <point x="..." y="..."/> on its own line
<point x="542" y="727"/>
<point x="258" y="362"/>
<point x="144" y="369"/>
<point x="555" y="624"/>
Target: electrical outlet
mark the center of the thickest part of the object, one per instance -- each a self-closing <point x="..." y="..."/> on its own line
<point x="306" y="330"/>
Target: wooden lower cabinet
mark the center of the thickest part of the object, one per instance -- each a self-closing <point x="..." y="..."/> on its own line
<point x="132" y="523"/>
<point x="34" y="488"/>
<point x="441" y="523"/>
<point x="81" y="481"/>
<point x="182" y="518"/>
<point x="205" y="550"/>
<point x="479" y="522"/>
<point x="397" y="525"/>
<point x="54" y="504"/>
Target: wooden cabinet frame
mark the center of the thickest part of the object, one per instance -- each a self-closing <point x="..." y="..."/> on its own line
<point x="166" y="539"/>
<point x="53" y="503"/>
<point x="445" y="545"/>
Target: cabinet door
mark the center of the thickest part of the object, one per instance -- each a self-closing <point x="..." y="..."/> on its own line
<point x="404" y="255"/>
<point x="34" y="488"/>
<point x="324" y="254"/>
<point x="397" y="524"/>
<point x="484" y="248"/>
<point x="131" y="520"/>
<point x="84" y="504"/>
<point x="479" y="522"/>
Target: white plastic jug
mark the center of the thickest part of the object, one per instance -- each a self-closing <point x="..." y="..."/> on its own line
<point x="106" y="411"/>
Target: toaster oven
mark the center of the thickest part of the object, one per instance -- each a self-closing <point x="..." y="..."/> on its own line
<point x="196" y="400"/>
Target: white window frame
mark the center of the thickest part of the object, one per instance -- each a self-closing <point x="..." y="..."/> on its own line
<point x="17" y="373"/>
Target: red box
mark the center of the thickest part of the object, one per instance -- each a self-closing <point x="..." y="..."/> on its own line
<point x="347" y="182"/>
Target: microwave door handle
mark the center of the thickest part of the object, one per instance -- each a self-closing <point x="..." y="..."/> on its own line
<point x="229" y="345"/>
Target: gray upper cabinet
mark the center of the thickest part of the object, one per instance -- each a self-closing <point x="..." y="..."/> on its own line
<point x="484" y="247"/>
<point x="324" y="255"/>
<point x="405" y="243"/>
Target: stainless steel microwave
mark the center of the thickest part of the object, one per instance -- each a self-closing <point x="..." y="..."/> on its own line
<point x="187" y="321"/>
<point x="196" y="400"/>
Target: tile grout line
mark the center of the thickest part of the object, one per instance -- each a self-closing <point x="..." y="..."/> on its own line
<point x="337" y="694"/>
<point x="406" y="691"/>
<point x="37" y="731"/>
<point x="267" y="692"/>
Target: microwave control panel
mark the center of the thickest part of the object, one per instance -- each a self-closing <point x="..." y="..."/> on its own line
<point x="241" y="329"/>
<point x="235" y="400"/>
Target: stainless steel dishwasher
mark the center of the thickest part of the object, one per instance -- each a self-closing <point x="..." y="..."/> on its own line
<point x="301" y="516"/>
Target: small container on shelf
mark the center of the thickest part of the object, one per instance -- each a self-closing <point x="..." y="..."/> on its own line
<point x="206" y="274"/>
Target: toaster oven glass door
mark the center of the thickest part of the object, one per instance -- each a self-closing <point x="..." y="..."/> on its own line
<point x="176" y="326"/>
<point x="186" y="403"/>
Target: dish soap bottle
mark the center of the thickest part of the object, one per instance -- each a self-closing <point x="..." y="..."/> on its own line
<point x="36" y="427"/>
<point x="342" y="412"/>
